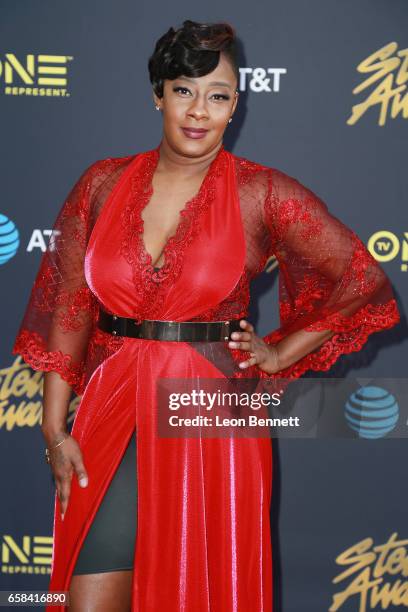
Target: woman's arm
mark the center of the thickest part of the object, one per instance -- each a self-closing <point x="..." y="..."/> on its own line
<point x="332" y="292"/>
<point x="56" y="396"/>
<point x="276" y="357"/>
<point x="56" y="329"/>
<point x="57" y="325"/>
<point x="292" y="348"/>
<point x="65" y="458"/>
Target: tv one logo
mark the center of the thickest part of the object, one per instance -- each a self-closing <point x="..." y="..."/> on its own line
<point x="35" y="75"/>
<point x="27" y="555"/>
<point x="385" y="246"/>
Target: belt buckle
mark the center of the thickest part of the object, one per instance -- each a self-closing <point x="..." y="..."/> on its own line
<point x="148" y="329"/>
<point x="174" y="327"/>
<point x="226" y="330"/>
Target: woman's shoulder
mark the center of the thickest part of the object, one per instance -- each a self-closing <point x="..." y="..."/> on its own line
<point x="103" y="172"/>
<point x="279" y="180"/>
<point x="249" y="165"/>
<point x="262" y="176"/>
<point x="98" y="178"/>
<point x="107" y="164"/>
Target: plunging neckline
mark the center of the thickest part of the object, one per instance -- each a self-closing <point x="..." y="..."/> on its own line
<point x="186" y="214"/>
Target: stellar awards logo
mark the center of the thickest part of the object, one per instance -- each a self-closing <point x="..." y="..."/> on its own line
<point x="373" y="576"/>
<point x="388" y="74"/>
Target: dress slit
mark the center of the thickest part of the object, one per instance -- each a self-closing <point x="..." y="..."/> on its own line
<point x="109" y="544"/>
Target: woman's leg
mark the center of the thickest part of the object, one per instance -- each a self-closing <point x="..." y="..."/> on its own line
<point x="102" y="576"/>
<point x="110" y="591"/>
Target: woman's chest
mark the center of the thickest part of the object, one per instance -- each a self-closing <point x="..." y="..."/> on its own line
<point x="204" y="249"/>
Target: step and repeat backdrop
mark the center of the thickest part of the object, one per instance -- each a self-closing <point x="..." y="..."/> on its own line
<point x="324" y="98"/>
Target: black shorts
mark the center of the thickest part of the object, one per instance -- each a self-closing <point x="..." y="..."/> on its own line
<point x="109" y="543"/>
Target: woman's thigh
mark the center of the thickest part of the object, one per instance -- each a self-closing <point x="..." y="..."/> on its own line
<point x="102" y="591"/>
<point x="109" y="544"/>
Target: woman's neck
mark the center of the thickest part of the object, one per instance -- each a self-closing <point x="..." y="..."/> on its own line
<point x="171" y="162"/>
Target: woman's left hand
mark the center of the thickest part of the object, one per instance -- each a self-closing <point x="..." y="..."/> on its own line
<point x="265" y="356"/>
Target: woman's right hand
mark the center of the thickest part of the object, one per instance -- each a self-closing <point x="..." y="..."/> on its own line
<point x="66" y="459"/>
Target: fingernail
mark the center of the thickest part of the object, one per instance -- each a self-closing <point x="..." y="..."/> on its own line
<point x="83" y="482"/>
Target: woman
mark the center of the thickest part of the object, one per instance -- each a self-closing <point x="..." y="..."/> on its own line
<point x="176" y="234"/>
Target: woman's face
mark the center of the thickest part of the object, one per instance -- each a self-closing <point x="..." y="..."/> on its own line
<point x="204" y="103"/>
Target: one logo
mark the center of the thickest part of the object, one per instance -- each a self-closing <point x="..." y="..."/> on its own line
<point x="36" y="75"/>
<point x="371" y="412"/>
<point x="9" y="239"/>
<point x="385" y="246"/>
<point x="260" y="80"/>
<point x="30" y="555"/>
<point x="387" y="78"/>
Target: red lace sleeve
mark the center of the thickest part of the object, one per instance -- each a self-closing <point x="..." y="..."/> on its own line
<point x="59" y="318"/>
<point x="327" y="277"/>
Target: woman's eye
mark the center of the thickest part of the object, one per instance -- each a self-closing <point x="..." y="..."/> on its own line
<point x="180" y="89"/>
<point x="222" y="96"/>
<point x="217" y="96"/>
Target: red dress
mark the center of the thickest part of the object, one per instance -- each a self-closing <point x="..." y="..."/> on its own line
<point x="203" y="523"/>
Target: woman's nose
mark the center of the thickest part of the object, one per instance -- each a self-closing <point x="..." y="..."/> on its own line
<point x="198" y="108"/>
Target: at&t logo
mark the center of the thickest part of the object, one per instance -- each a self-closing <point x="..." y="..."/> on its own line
<point x="9" y="239"/>
<point x="260" y="79"/>
<point x="372" y="412"/>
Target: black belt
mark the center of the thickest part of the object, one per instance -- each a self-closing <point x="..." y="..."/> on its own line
<point x="182" y="331"/>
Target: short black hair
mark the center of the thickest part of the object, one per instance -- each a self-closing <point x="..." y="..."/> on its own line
<point x="192" y="50"/>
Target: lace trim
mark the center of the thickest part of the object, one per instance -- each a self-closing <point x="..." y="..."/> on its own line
<point x="351" y="335"/>
<point x="151" y="283"/>
<point x="104" y="341"/>
<point x="377" y="316"/>
<point x="247" y="169"/>
<point x="32" y="348"/>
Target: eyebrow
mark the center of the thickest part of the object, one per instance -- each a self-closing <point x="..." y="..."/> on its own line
<point x="217" y="83"/>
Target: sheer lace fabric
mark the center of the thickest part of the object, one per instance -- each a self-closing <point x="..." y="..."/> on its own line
<point x="58" y="331"/>
<point x="327" y="278"/>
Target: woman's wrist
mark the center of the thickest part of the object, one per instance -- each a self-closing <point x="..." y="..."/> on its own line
<point x="53" y="434"/>
<point x="273" y="363"/>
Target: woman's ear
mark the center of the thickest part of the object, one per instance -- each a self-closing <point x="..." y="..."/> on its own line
<point x="235" y="103"/>
<point x="157" y="101"/>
